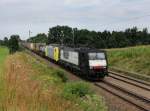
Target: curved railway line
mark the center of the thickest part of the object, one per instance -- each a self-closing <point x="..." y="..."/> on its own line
<point x="126" y="95"/>
<point x="132" y="97"/>
<point x="138" y="100"/>
<point x="147" y="84"/>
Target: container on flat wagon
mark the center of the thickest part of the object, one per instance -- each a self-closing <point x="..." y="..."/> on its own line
<point x="46" y="51"/>
<point x="56" y="53"/>
<point x="38" y="45"/>
<point x="32" y="46"/>
<point x="52" y="52"/>
<point x="42" y="48"/>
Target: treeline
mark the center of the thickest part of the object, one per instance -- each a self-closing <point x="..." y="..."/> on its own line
<point x="12" y="43"/>
<point x="42" y="38"/>
<point x="74" y="37"/>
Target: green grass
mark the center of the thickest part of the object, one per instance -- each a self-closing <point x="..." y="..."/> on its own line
<point x="31" y="85"/>
<point x="79" y="93"/>
<point x="133" y="59"/>
<point x="3" y="55"/>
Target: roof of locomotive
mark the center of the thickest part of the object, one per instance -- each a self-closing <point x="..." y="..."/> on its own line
<point x="79" y="49"/>
<point x="83" y="49"/>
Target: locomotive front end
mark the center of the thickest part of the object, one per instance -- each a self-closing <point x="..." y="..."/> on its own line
<point x="97" y="64"/>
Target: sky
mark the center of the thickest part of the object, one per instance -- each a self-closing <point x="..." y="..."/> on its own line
<point x="20" y="16"/>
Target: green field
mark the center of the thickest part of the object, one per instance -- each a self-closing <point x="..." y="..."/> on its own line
<point x="3" y="55"/>
<point x="133" y="59"/>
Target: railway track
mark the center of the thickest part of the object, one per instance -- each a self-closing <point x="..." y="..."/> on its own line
<point x="131" y="97"/>
<point x="138" y="100"/>
<point x="138" y="83"/>
<point x="130" y="78"/>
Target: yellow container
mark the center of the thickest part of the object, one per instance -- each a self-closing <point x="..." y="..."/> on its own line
<point x="56" y="54"/>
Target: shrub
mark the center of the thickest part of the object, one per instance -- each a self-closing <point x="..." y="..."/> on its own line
<point x="62" y="75"/>
<point x="93" y="103"/>
<point x="76" y="89"/>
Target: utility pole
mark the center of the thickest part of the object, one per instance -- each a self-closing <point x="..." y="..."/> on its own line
<point x="73" y="33"/>
<point x="62" y="38"/>
<point x="30" y="33"/>
<point x="73" y="36"/>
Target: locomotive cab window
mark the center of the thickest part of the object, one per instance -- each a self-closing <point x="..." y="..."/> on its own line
<point x="96" y="56"/>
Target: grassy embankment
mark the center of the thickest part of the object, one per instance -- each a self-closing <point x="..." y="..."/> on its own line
<point x="3" y="55"/>
<point x="133" y="59"/>
<point x="30" y="85"/>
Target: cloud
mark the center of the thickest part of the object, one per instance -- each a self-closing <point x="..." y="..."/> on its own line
<point x="18" y="16"/>
<point x="81" y="3"/>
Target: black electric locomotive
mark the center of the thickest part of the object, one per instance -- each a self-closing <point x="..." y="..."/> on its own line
<point x="91" y="63"/>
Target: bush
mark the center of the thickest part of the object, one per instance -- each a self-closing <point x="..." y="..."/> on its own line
<point x="62" y="75"/>
<point x="76" y="89"/>
<point x="13" y="44"/>
<point x="93" y="103"/>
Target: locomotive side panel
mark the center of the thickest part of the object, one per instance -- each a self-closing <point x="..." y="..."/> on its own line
<point x="70" y="56"/>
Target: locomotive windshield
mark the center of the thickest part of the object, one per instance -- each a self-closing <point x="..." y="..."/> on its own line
<point x="96" y="56"/>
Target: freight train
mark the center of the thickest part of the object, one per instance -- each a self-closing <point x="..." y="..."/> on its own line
<point x="90" y="63"/>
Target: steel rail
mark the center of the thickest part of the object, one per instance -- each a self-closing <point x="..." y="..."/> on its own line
<point x="134" y="102"/>
<point x="132" y="83"/>
<point x="131" y="78"/>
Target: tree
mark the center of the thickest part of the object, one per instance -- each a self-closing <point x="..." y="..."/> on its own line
<point x="6" y="41"/>
<point x="39" y="38"/>
<point x="13" y="43"/>
<point x="1" y="42"/>
<point x="60" y="35"/>
<point x="145" y="36"/>
<point x="85" y="38"/>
